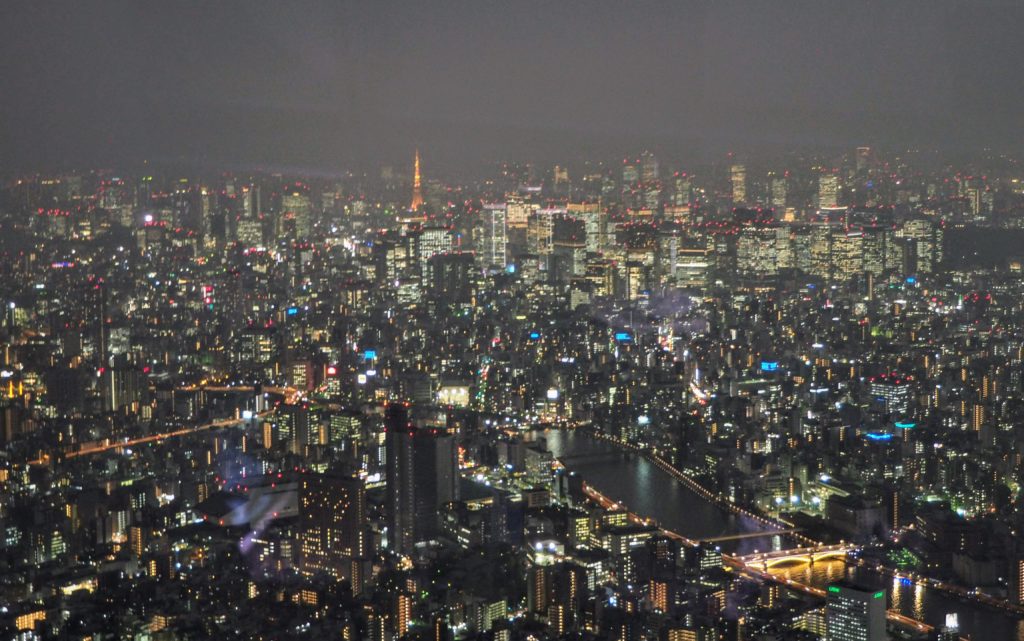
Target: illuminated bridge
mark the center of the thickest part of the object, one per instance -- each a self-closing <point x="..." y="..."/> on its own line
<point x="810" y="554"/>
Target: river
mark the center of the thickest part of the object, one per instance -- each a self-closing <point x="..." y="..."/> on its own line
<point x="650" y="492"/>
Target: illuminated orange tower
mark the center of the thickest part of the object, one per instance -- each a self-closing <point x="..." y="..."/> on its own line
<point x="417" y="188"/>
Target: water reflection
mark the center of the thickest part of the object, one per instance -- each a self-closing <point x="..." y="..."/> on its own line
<point x="913" y="600"/>
<point x="651" y="492"/>
<point x="648" y="490"/>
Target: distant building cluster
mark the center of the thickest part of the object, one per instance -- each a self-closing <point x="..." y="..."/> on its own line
<point x="389" y="407"/>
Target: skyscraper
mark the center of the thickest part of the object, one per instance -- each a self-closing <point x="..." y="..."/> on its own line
<point x="332" y="521"/>
<point x="778" y="191"/>
<point x="417" y="187"/>
<point x="295" y="206"/>
<point x="738" y="175"/>
<point x="496" y="221"/>
<point x="854" y="613"/>
<point x="828" y="191"/>
<point x="422" y="476"/>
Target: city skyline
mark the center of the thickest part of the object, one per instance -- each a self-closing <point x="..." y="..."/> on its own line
<point x="527" y="321"/>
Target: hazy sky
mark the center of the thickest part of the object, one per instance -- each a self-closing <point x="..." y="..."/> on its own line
<point x="334" y="84"/>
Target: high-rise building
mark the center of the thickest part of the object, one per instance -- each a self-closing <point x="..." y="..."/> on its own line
<point x="422" y="476"/>
<point x="828" y="191"/>
<point x="541" y="229"/>
<point x="927" y="240"/>
<point x="332" y="526"/>
<point x="595" y="223"/>
<point x="518" y="211"/>
<point x="893" y="392"/>
<point x="431" y="242"/>
<point x="854" y="613"/>
<point x="649" y="169"/>
<point x="496" y="235"/>
<point x="295" y="206"/>
<point x="681" y="191"/>
<point x="778" y="187"/>
<point x="863" y="158"/>
<point x="738" y="175"/>
<point x="755" y="250"/>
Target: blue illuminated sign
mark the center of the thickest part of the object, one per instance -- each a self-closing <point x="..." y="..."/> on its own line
<point x="534" y="336"/>
<point x="369" y="355"/>
<point x="877" y="436"/>
<point x="769" y="366"/>
<point x="623" y="337"/>
<point x="292" y="311"/>
<point x="905" y="425"/>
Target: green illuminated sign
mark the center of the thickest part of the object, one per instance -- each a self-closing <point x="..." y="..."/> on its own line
<point x="879" y="595"/>
<point x="833" y="588"/>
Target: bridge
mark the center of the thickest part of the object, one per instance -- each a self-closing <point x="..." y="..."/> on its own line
<point x="290" y="394"/>
<point x="807" y="554"/>
<point x="750" y="535"/>
<point x="120" y="445"/>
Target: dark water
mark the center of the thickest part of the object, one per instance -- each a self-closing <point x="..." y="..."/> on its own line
<point x="650" y="492"/>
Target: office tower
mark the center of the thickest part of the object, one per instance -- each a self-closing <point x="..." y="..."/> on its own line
<point x="681" y="191"/>
<point x="630" y="173"/>
<point x="828" y="191"/>
<point x="894" y="392"/>
<point x="738" y="175"/>
<point x="814" y="254"/>
<point x="854" y="613"/>
<point x="692" y="264"/>
<point x="517" y="211"/>
<point x="207" y="211"/>
<point x="778" y="188"/>
<point x="926" y="239"/>
<point x="595" y="223"/>
<point x="452" y="277"/>
<point x="332" y="523"/>
<point x="540" y="231"/>
<point x="847" y="255"/>
<point x="877" y="248"/>
<point x="295" y="206"/>
<point x="755" y="250"/>
<point x="422" y="476"/>
<point x="248" y="225"/>
<point x="632" y="188"/>
<point x="650" y="180"/>
<point x="560" y="181"/>
<point x="417" y="185"/>
<point x="431" y="242"/>
<point x="863" y="158"/>
<point x="649" y="171"/>
<point x="496" y="238"/>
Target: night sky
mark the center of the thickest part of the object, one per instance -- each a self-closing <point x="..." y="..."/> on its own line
<point x="334" y="85"/>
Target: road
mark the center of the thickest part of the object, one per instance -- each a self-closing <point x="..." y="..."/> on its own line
<point x="120" y="445"/>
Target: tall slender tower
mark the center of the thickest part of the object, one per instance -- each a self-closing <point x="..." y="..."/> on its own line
<point x="417" y="188"/>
